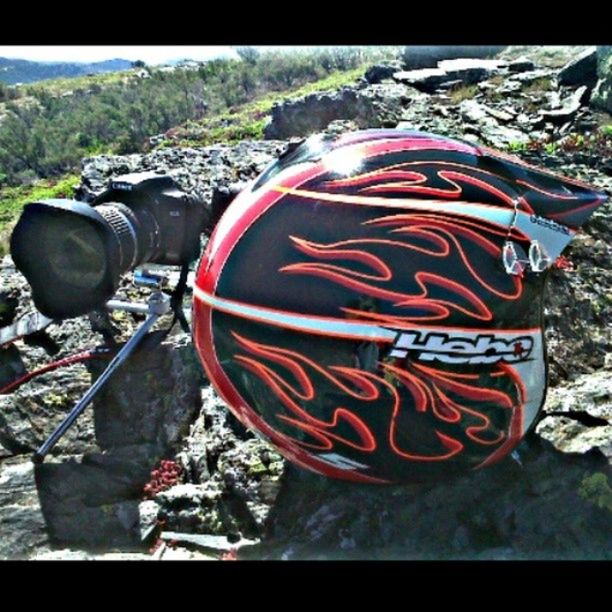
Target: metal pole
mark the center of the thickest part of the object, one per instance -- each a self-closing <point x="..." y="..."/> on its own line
<point x="158" y="305"/>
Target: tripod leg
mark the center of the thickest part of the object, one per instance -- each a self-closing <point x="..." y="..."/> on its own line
<point x="119" y="358"/>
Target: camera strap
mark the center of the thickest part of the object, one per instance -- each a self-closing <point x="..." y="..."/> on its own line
<point x="176" y="301"/>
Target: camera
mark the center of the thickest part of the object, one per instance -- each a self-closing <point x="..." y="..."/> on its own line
<point x="73" y="254"/>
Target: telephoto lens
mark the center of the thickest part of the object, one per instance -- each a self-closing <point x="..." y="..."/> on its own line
<point x="73" y="254"/>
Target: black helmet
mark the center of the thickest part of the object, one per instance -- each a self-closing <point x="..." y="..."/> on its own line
<point x="372" y="304"/>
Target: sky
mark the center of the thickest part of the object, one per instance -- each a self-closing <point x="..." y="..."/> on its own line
<point x="148" y="54"/>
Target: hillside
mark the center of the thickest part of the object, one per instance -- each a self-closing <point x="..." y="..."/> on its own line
<point x="159" y="469"/>
<point x="46" y="128"/>
<point x="13" y="71"/>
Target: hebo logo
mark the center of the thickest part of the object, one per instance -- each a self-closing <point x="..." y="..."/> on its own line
<point x="479" y="348"/>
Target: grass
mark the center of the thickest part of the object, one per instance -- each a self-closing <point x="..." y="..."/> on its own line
<point x="13" y="199"/>
<point x="537" y="85"/>
<point x="247" y="121"/>
<point x="463" y="92"/>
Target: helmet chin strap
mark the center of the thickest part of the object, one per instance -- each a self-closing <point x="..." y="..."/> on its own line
<point x="515" y="261"/>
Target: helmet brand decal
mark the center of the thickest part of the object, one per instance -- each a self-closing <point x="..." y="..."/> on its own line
<point x="482" y="348"/>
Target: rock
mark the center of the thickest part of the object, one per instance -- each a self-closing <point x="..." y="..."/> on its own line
<point x="206" y="541"/>
<point x="521" y="64"/>
<point x="509" y="87"/>
<point x="93" y="500"/>
<point x="424" y="79"/>
<point x="372" y="106"/>
<point x="153" y="399"/>
<point x="480" y="119"/>
<point x="448" y="85"/>
<point x="467" y="71"/>
<point x="580" y="415"/>
<point x="525" y="78"/>
<point x="423" y="56"/>
<point x="471" y="71"/>
<point x="22" y="525"/>
<point x="341" y="126"/>
<point x="232" y="479"/>
<point x="148" y="512"/>
<point x="381" y="72"/>
<point x="405" y="125"/>
<point x="196" y="508"/>
<point x="500" y="115"/>
<point x="196" y="171"/>
<point x="30" y="414"/>
<point x="580" y="71"/>
<point x="590" y="394"/>
<point x="602" y="94"/>
<point x="571" y="436"/>
<point x="507" y="507"/>
<point x="569" y="107"/>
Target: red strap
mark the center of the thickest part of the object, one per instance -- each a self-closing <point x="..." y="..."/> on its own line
<point x="60" y="363"/>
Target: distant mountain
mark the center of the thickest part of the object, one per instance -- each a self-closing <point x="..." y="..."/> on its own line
<point x="23" y="71"/>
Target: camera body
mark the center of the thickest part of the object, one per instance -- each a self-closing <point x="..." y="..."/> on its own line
<point x="168" y="215"/>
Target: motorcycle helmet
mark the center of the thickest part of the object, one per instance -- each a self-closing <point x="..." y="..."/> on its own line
<point x="372" y="304"/>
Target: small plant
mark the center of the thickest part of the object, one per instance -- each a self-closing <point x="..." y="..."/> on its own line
<point x="596" y="490"/>
<point x="599" y="143"/>
<point x="462" y="92"/>
<point x="166" y="475"/>
<point x="551" y="148"/>
<point x="537" y="85"/>
<point x="517" y="147"/>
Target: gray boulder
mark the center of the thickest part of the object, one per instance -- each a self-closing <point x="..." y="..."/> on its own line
<point x="481" y="120"/>
<point x="569" y="107"/>
<point x="424" y="79"/>
<point x="580" y="71"/>
<point x="521" y="64"/>
<point x="22" y="525"/>
<point x="579" y="415"/>
<point x="421" y="56"/>
<point x="467" y="71"/>
<point x="371" y="106"/>
<point x="602" y="94"/>
<point x="381" y="72"/>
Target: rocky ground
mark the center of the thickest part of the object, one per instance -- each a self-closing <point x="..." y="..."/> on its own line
<point x="159" y="469"/>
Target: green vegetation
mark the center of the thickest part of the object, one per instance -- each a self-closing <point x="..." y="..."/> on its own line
<point x="247" y="121"/>
<point x="67" y="119"/>
<point x="598" y="143"/>
<point x="8" y="93"/>
<point x="46" y="128"/>
<point x="13" y="199"/>
<point x="80" y="85"/>
<point x="537" y="85"/>
<point x="15" y="71"/>
<point x="517" y="147"/>
<point x="596" y="490"/>
<point x="462" y="92"/>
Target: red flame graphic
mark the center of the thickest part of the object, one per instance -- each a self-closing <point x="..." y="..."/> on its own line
<point x="459" y="400"/>
<point x="403" y="179"/>
<point x="431" y="235"/>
